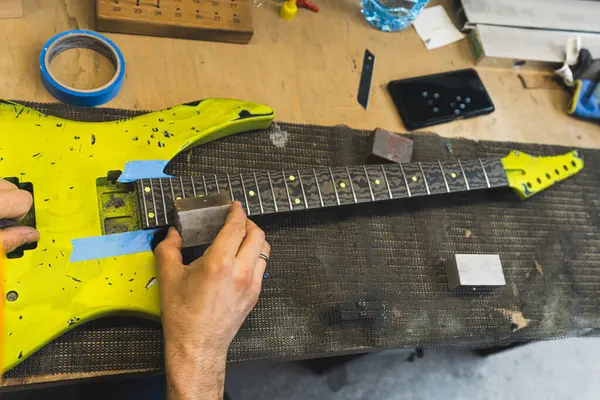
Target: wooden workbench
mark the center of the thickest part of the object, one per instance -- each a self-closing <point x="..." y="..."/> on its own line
<point x="307" y="70"/>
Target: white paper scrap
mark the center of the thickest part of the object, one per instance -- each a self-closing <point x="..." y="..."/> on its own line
<point x="435" y="28"/>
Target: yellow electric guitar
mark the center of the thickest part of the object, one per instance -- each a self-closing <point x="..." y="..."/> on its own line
<point x="100" y="192"/>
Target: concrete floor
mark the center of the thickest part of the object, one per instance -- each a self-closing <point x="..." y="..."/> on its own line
<point x="562" y="370"/>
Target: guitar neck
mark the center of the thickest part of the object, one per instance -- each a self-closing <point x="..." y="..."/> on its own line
<point x="301" y="189"/>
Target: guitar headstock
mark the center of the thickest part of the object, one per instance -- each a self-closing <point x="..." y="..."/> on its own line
<point x="528" y="175"/>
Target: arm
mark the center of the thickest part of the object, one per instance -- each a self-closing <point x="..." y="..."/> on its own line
<point x="14" y="204"/>
<point x="204" y="304"/>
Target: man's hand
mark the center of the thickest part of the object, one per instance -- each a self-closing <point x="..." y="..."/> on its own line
<point x="204" y="304"/>
<point x="14" y="204"/>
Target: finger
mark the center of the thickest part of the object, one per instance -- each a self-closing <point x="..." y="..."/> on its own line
<point x="168" y="257"/>
<point x="232" y="234"/>
<point x="14" y="203"/>
<point x="252" y="244"/>
<point x="17" y="236"/>
<point x="259" y="268"/>
<point x="6" y="185"/>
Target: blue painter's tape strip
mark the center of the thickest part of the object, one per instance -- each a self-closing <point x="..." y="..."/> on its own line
<point x="118" y="244"/>
<point x="88" y="40"/>
<point x="93" y="248"/>
<point x="143" y="169"/>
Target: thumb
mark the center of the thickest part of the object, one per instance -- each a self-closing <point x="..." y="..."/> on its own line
<point x="168" y="257"/>
<point x="17" y="236"/>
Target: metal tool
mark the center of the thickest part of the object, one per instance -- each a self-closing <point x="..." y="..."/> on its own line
<point x="474" y="271"/>
<point x="199" y="219"/>
<point x="364" y="86"/>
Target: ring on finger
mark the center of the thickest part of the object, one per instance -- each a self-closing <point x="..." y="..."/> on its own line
<point x="264" y="257"/>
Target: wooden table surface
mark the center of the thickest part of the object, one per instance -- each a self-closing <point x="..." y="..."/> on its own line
<point x="307" y="70"/>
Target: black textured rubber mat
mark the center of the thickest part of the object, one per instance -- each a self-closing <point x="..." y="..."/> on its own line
<point x="370" y="276"/>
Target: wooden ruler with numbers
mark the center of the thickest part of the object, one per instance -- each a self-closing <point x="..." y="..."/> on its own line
<point x="214" y="20"/>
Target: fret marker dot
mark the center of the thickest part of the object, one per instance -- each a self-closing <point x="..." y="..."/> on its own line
<point x="453" y="175"/>
<point x="414" y="178"/>
<point x="377" y="181"/>
<point x="178" y="198"/>
<point x="297" y="201"/>
<point x="147" y="189"/>
<point x="251" y="193"/>
<point x="342" y="184"/>
<point x="151" y="215"/>
<point x="292" y="178"/>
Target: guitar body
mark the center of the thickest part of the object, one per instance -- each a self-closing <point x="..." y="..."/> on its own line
<point x="49" y="293"/>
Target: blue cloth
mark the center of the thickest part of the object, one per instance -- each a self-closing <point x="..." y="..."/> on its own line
<point x="584" y="103"/>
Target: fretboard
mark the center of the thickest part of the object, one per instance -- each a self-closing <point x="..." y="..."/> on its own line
<point x="301" y="189"/>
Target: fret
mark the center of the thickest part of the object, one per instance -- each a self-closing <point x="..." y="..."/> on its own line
<point x="262" y="210"/>
<point x="444" y="175"/>
<point x="434" y="177"/>
<point x="237" y="190"/>
<point x="351" y="185"/>
<point x="377" y="185"/>
<point x="193" y="186"/>
<point x="162" y="195"/>
<point x="476" y="175"/>
<point x="343" y="187"/>
<point x="318" y="187"/>
<point x="245" y="195"/>
<point x="360" y="185"/>
<point x="217" y="184"/>
<point x="387" y="183"/>
<point x="172" y="191"/>
<point x="251" y="195"/>
<point x="453" y="175"/>
<point x="396" y="180"/>
<point x="153" y="202"/>
<point x="264" y="193"/>
<point x="369" y="183"/>
<point x="280" y="190"/>
<point x="144" y="202"/>
<point x="487" y="180"/>
<point x="287" y="190"/>
<point x="302" y="187"/>
<point x="415" y="179"/>
<point x="178" y="187"/>
<point x="209" y="186"/>
<point x="182" y="189"/>
<point x="495" y="171"/>
<point x="424" y="179"/>
<point x="230" y="188"/>
<point x="295" y="189"/>
<point x="204" y="184"/>
<point x="464" y="175"/>
<point x="272" y="191"/>
<point x="337" y="197"/>
<point x="405" y="180"/>
<point x="326" y="186"/>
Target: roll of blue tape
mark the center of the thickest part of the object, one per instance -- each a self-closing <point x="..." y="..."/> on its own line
<point x="87" y="40"/>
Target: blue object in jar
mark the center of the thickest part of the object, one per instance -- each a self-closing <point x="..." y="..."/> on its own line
<point x="391" y="15"/>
